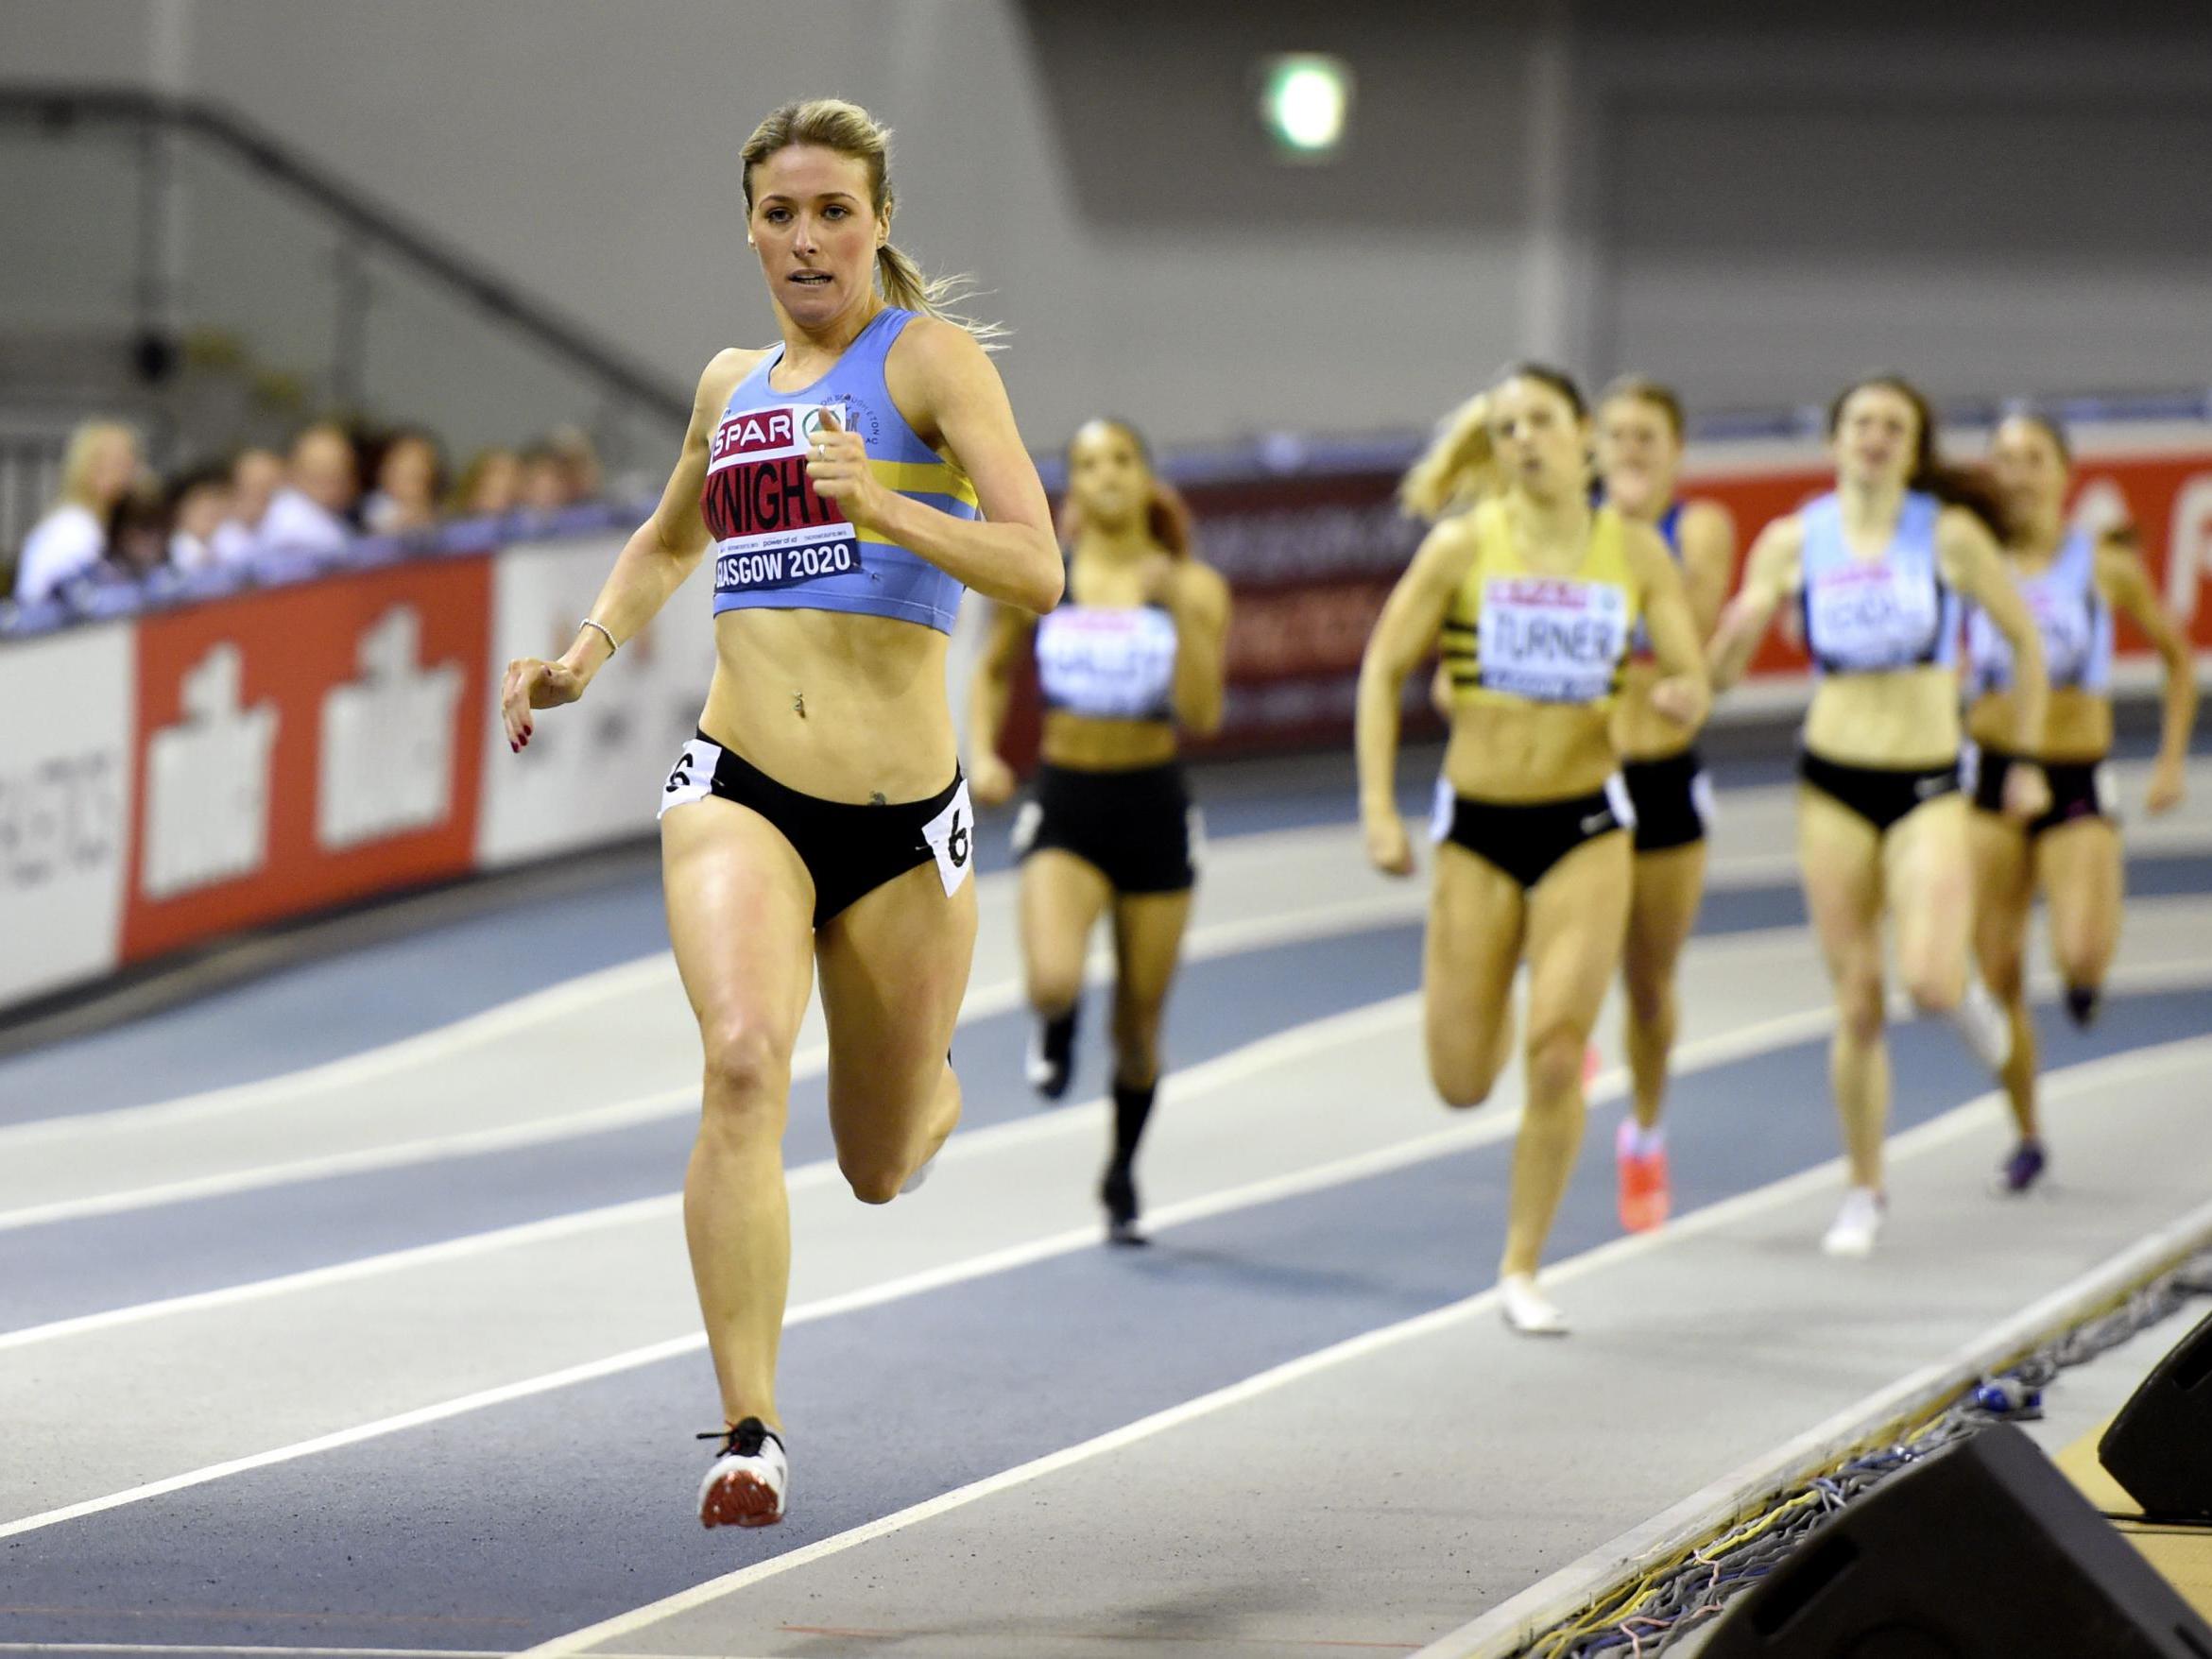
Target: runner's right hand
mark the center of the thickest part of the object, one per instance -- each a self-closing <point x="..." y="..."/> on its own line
<point x="992" y="781"/>
<point x="1389" y="849"/>
<point x="534" y="683"/>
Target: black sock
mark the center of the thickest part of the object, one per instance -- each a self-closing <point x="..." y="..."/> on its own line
<point x="1132" y="1107"/>
<point x="1059" y="1039"/>
<point x="2082" y="1003"/>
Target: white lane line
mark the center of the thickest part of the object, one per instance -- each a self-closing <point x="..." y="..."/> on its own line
<point x="555" y="1002"/>
<point x="665" y="1103"/>
<point x="651" y="1108"/>
<point x="1377" y="1016"/>
<point x="1206" y="939"/>
<point x="1253" y="1059"/>
<point x="563" y="1001"/>
<point x="1281" y="1049"/>
<point x="1206" y="942"/>
<point x="1397" y="904"/>
<point x="1960" y="1120"/>
<point x="1508" y="1628"/>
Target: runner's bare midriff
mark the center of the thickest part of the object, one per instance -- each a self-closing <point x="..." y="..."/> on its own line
<point x="1529" y="751"/>
<point x="875" y="721"/>
<point x="2077" y="727"/>
<point x="1904" y="718"/>
<point x="1087" y="744"/>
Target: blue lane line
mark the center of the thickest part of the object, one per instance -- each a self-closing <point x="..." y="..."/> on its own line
<point x="67" y="1269"/>
<point x="537" y="1517"/>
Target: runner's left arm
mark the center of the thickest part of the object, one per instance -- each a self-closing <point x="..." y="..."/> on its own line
<point x="1974" y="567"/>
<point x="2127" y="588"/>
<point x="1708" y="561"/>
<point x="1198" y="598"/>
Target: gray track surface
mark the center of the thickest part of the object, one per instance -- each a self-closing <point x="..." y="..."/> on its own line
<point x="336" y="1300"/>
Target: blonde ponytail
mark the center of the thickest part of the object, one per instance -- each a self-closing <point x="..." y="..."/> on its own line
<point x="906" y="286"/>
<point x="1457" y="469"/>
<point x="833" y="124"/>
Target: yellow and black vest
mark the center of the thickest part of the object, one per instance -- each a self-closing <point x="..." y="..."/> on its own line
<point x="1517" y="635"/>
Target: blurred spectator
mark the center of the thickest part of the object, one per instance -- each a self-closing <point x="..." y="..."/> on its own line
<point x="312" y="513"/>
<point x="546" y="480"/>
<point x="97" y="471"/>
<point x="138" y="534"/>
<point x="200" y="506"/>
<point x="256" y="476"/>
<point x="410" y="485"/>
<point x="490" y="486"/>
<point x="587" y="481"/>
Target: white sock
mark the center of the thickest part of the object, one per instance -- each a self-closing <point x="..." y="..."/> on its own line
<point x="1984" y="1022"/>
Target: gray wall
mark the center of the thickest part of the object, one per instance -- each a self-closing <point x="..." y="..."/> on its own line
<point x="1755" y="206"/>
<point x="2014" y="205"/>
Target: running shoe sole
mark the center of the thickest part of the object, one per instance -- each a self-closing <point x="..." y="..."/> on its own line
<point x="740" y="1498"/>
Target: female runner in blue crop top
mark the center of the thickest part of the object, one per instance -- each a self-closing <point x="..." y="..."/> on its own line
<point x="1133" y="655"/>
<point x="851" y="481"/>
<point x="1878" y="567"/>
<point x="2074" y="584"/>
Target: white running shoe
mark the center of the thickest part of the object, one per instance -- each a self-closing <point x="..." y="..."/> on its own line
<point x="1527" y="1310"/>
<point x="1856" y="1225"/>
<point x="1985" y="1024"/>
<point x="746" y="1482"/>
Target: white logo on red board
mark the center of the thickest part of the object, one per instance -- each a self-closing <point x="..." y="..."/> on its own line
<point x="207" y="780"/>
<point x="2188" y="545"/>
<point x="386" y="757"/>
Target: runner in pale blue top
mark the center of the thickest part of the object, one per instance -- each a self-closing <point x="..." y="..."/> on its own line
<point x="850" y="480"/>
<point x="2074" y="582"/>
<point x="777" y="544"/>
<point x="1880" y="567"/>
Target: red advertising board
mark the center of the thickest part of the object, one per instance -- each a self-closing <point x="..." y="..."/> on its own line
<point x="303" y="746"/>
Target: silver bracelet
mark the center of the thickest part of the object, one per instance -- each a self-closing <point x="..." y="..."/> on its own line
<point x="612" y="645"/>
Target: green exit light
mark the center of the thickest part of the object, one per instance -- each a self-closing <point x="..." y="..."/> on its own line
<point x="1305" y="101"/>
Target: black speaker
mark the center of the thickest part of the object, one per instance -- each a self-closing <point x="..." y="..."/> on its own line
<point x="2159" y="1448"/>
<point x="1985" y="1550"/>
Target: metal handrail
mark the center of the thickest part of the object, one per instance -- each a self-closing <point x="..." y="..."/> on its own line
<point x="61" y="106"/>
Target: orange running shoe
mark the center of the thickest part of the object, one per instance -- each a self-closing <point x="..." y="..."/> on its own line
<point x="1646" y="1196"/>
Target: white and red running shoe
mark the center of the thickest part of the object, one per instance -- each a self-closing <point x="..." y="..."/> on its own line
<point x="746" y="1482"/>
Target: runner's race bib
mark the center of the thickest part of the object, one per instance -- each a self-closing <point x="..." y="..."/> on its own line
<point x="1552" y="640"/>
<point x="1107" y="663"/>
<point x="1871" y="616"/>
<point x="2065" y="623"/>
<point x="770" y="529"/>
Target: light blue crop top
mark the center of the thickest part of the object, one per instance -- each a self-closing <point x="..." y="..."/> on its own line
<point x="1872" y="616"/>
<point x="2074" y="621"/>
<point x="780" y="546"/>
